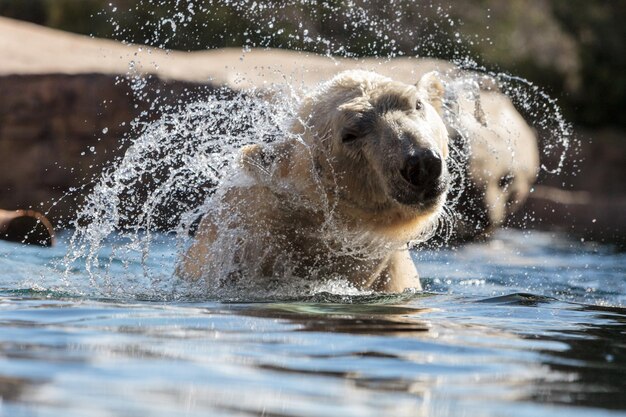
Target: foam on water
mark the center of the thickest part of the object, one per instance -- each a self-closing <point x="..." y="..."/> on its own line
<point x="174" y="166"/>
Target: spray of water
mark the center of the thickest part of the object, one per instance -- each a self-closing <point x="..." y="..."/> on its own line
<point x="176" y="166"/>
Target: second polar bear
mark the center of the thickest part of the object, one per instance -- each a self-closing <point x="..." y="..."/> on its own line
<point x="362" y="172"/>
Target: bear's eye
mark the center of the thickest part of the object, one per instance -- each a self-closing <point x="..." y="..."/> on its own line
<point x="505" y="181"/>
<point x="349" y="137"/>
<point x="418" y="105"/>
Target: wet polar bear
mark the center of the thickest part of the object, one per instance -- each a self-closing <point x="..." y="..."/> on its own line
<point x="362" y="172"/>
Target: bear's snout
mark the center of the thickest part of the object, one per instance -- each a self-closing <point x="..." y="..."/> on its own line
<point x="423" y="170"/>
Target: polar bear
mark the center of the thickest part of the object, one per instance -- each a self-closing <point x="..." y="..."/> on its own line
<point x="362" y="172"/>
<point x="502" y="166"/>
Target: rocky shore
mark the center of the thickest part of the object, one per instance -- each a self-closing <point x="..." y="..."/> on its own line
<point x="66" y="101"/>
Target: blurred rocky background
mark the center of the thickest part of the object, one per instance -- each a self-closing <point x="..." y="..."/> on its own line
<point x="575" y="50"/>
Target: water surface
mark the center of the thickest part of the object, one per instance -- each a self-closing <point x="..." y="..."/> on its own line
<point x="528" y="324"/>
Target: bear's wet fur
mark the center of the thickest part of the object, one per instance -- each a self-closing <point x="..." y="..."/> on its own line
<point x="362" y="172"/>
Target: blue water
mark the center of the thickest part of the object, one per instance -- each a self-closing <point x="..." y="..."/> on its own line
<point x="528" y="324"/>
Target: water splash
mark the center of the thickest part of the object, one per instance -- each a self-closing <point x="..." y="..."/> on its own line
<point x="174" y="165"/>
<point x="166" y="175"/>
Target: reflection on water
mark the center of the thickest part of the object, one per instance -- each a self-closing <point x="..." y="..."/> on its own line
<point x="437" y="355"/>
<point x="468" y="351"/>
<point x="596" y="354"/>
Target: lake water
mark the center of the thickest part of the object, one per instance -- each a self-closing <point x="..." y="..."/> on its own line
<point x="528" y="324"/>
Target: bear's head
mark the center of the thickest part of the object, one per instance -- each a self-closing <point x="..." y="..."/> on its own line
<point x="377" y="148"/>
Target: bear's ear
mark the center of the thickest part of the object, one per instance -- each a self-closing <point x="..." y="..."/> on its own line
<point x="264" y="161"/>
<point x="431" y="88"/>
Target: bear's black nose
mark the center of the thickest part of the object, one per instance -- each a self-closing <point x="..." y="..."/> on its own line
<point x="423" y="169"/>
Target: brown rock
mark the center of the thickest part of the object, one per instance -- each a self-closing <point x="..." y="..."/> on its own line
<point x="26" y="226"/>
<point x="588" y="199"/>
<point x="52" y="136"/>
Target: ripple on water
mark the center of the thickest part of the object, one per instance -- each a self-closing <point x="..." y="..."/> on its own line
<point x="435" y="355"/>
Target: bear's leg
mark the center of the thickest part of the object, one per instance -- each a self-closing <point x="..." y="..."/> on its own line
<point x="399" y="274"/>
